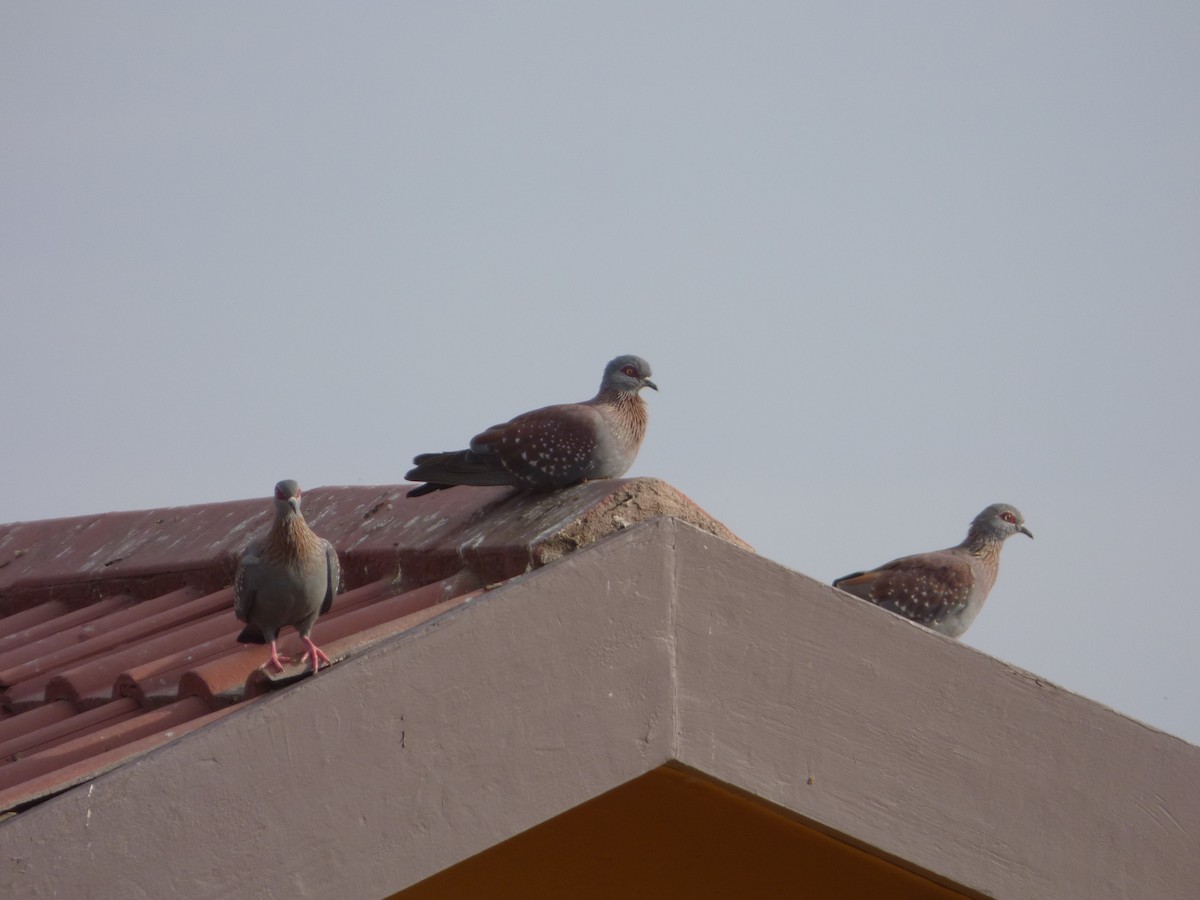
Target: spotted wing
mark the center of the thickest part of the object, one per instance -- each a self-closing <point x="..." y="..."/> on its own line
<point x="245" y="583"/>
<point x="926" y="588"/>
<point x="333" y="583"/>
<point x="549" y="447"/>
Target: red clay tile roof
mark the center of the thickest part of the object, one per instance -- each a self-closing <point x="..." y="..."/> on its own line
<point x="117" y="630"/>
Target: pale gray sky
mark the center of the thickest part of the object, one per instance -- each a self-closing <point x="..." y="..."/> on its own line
<point x="890" y="262"/>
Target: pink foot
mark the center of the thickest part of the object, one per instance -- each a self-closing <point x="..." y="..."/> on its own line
<point x="315" y="653"/>
<point x="276" y="660"/>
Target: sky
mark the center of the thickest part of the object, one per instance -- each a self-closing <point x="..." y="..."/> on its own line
<point x="891" y="263"/>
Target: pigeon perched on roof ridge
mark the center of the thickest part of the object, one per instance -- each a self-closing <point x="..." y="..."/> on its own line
<point x="943" y="589"/>
<point x="554" y="446"/>
<point x="289" y="577"/>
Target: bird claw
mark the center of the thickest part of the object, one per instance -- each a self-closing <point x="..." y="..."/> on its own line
<point x="277" y="662"/>
<point x="317" y="655"/>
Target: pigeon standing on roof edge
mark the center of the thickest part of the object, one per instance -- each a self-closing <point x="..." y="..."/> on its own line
<point x="289" y="577"/>
<point x="945" y="589"/>
<point x="554" y="446"/>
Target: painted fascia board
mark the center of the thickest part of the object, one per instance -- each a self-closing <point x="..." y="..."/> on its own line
<point x="391" y="766"/>
<point x="919" y="745"/>
<point x="659" y="643"/>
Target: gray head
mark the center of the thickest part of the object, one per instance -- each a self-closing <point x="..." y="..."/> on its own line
<point x="999" y="521"/>
<point x="287" y="498"/>
<point x="627" y="375"/>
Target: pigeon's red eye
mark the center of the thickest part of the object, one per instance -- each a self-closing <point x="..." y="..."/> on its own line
<point x="630" y="371"/>
<point x="1009" y="517"/>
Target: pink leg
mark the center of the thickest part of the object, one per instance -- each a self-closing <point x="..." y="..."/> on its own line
<point x="315" y="653"/>
<point x="276" y="660"/>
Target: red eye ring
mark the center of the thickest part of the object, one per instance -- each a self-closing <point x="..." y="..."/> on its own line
<point x="1009" y="517"/>
<point x="630" y="371"/>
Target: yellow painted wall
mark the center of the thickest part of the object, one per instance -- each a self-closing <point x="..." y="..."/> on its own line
<point x="675" y="834"/>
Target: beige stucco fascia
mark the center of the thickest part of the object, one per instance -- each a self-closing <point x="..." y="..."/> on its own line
<point x="659" y="643"/>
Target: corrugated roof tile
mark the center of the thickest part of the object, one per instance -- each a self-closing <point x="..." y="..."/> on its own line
<point x="39" y="717"/>
<point x="118" y="632"/>
<point x="61" y="731"/>
<point x="41" y="782"/>
<point x="157" y="682"/>
<point x="22" y="627"/>
<point x="34" y="650"/>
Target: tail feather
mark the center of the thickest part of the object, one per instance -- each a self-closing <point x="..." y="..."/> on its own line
<point x="251" y="634"/>
<point x="837" y="582"/>
<point x="443" y="470"/>
<point x="860" y="584"/>
<point x="428" y="488"/>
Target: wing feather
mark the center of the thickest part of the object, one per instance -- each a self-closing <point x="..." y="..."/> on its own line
<point x="245" y="584"/>
<point x="926" y="588"/>
<point x="334" y="580"/>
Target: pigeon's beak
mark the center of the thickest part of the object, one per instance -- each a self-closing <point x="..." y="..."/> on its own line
<point x="1025" y="531"/>
<point x="646" y="382"/>
<point x="294" y="503"/>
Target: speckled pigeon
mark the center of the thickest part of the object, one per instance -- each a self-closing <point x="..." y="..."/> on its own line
<point x="943" y="590"/>
<point x="554" y="446"/>
<point x="287" y="578"/>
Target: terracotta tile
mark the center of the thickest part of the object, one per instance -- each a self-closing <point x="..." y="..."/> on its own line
<point x="137" y="611"/>
<point x="43" y="671"/>
<point x="67" y="630"/>
<point x="500" y="533"/>
<point x="96" y="636"/>
<point x="119" y="545"/>
<point x="261" y="681"/>
<point x="157" y="682"/>
<point x="38" y="717"/>
<point x="95" y="682"/>
<point x="395" y="607"/>
<point x="137" y="606"/>
<point x="101" y="738"/>
<point x="43" y="738"/>
<point x="367" y="593"/>
<point x="40" y="783"/>
<point x="27" y="695"/>
<point x="228" y="662"/>
<point x="221" y="681"/>
<point x="14" y="629"/>
<point x="123" y="628"/>
<point x="202" y="540"/>
<point x="355" y="643"/>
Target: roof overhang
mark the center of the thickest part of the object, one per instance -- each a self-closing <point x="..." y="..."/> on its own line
<point x="659" y="645"/>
